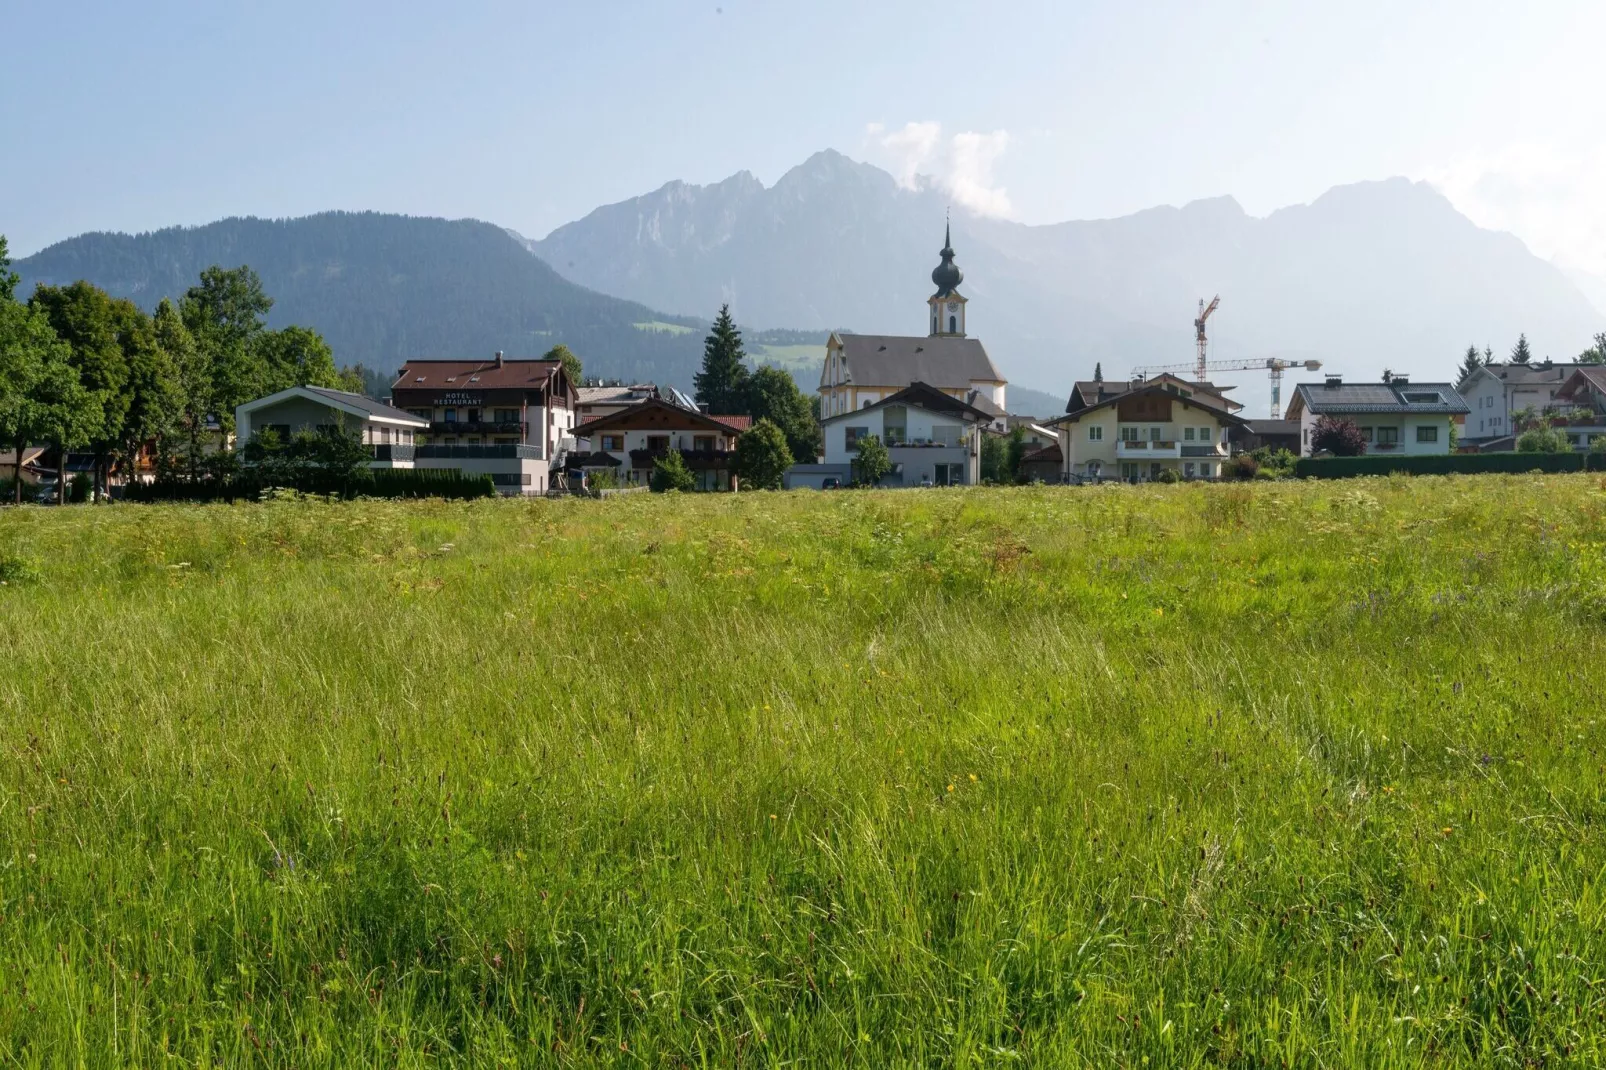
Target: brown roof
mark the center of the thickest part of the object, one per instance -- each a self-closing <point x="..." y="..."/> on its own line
<point x="656" y="412"/>
<point x="1093" y="391"/>
<point x="481" y="374"/>
<point x="1593" y="374"/>
<point x="1043" y="454"/>
<point x="1197" y="401"/>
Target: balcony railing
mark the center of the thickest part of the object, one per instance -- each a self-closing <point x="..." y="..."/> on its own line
<point x="506" y="452"/>
<point x="396" y="451"/>
<point x="1147" y="448"/>
<point x="1204" y="451"/>
<point x="696" y="460"/>
<point x="476" y="427"/>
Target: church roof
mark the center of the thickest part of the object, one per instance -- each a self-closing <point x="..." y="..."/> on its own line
<point x="893" y="360"/>
<point x="947" y="275"/>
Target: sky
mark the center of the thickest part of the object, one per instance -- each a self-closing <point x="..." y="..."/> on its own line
<point x="131" y="117"/>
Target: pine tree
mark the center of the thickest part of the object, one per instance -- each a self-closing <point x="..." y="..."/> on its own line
<point x="1098" y="372"/>
<point x="722" y="384"/>
<point x="1520" y="353"/>
<point x="1469" y="367"/>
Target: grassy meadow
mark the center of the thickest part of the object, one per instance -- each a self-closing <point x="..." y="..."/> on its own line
<point x="1283" y="775"/>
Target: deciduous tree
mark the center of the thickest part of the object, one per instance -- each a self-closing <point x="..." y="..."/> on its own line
<point x="1595" y="354"/>
<point x="762" y="456"/>
<point x="773" y="395"/>
<point x="8" y="278"/>
<point x="1338" y="436"/>
<point x="571" y="363"/>
<point x="225" y="313"/>
<point x="873" y="461"/>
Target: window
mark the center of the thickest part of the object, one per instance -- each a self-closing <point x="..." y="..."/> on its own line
<point x="1187" y="436"/>
<point x="613" y="442"/>
<point x="1188" y="469"/>
<point x="658" y="442"/>
<point x="1206" y="435"/>
<point x="1367" y="432"/>
<point x="853" y="436"/>
<point x="953" y="324"/>
<point x="1432" y="398"/>
<point x="1204" y="470"/>
<point x="422" y="414"/>
<point x="450" y="416"/>
<point x="947" y="434"/>
<point x="1095" y="434"/>
<point x="1427" y="434"/>
<point x="703" y="443"/>
<point x="1154" y="434"/>
<point x="1388" y="436"/>
<point x="1129" y="434"/>
<point x="507" y="416"/>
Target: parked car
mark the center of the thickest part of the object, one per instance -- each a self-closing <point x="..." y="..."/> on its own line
<point x="831" y="483"/>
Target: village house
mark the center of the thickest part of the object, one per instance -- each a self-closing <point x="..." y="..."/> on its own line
<point x="389" y="432"/>
<point x="864" y="369"/>
<point x="932" y="439"/>
<point x="510" y="419"/>
<point x="1140" y="432"/>
<point x="1396" y="416"/>
<point x="595" y="401"/>
<point x="1496" y="393"/>
<point x="629" y="442"/>
<point x="1579" y="407"/>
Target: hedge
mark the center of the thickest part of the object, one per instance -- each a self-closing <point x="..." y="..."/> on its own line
<point x="380" y="483"/>
<point x="1377" y="464"/>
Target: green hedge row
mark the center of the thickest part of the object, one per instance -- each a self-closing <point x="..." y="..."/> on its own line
<point x="1377" y="464"/>
<point x="381" y="483"/>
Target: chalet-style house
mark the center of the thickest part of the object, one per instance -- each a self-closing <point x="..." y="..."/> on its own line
<point x="864" y="369"/>
<point x="511" y="419"/>
<point x="595" y="401"/>
<point x="932" y="438"/>
<point x="1495" y="393"/>
<point x="390" y="432"/>
<point x="1396" y="417"/>
<point x="1579" y="407"/>
<point x="1138" y="430"/>
<point x="629" y="441"/>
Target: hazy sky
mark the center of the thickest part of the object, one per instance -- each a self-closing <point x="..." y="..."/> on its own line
<point x="131" y="116"/>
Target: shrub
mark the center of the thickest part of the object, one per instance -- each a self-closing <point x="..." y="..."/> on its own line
<point x="1597" y="447"/>
<point x="669" y="472"/>
<point x="873" y="462"/>
<point x="1243" y="466"/>
<point x="1169" y="475"/>
<point x="1443" y="464"/>
<point x="1542" y="438"/>
<point x="80" y="486"/>
<point x="1338" y="436"/>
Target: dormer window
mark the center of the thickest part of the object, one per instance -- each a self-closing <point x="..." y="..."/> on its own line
<point x="1425" y="399"/>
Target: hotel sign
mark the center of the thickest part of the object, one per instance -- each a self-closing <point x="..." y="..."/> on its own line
<point x="461" y="399"/>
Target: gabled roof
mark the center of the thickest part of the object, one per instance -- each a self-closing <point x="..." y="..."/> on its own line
<point x="1196" y="401"/>
<point x="1087" y="392"/>
<point x="890" y="359"/>
<point x="357" y="405"/>
<point x="1538" y="373"/>
<point x="666" y="415"/>
<point x="1584" y="377"/>
<point x="1384" y="398"/>
<point x="615" y="395"/>
<point x="927" y="397"/>
<point x="475" y="374"/>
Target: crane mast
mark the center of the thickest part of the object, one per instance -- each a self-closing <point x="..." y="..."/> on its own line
<point x="1199" y="332"/>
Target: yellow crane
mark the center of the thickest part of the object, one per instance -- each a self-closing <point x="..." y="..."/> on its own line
<point x="1271" y="365"/>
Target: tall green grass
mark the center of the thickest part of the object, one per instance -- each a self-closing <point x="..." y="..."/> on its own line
<point x="1298" y="774"/>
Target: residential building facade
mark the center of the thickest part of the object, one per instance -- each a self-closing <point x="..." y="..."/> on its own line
<point x="1142" y="432"/>
<point x="511" y="419"/>
<point x="1396" y="416"/>
<point x="1579" y="407"/>
<point x="390" y="433"/>
<point x="629" y="443"/>
<point x="861" y="370"/>
<point x="932" y="438"/>
<point x="1496" y="393"/>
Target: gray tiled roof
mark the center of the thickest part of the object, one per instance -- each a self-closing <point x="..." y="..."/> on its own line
<point x="1380" y="397"/>
<point x="1536" y="373"/>
<point x="890" y="360"/>
<point x="373" y="408"/>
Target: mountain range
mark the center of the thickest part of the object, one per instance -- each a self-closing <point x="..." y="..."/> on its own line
<point x="1369" y="276"/>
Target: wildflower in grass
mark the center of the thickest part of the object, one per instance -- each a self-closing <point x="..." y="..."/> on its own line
<point x="950" y="787"/>
<point x="973" y="778"/>
<point x="1448" y="830"/>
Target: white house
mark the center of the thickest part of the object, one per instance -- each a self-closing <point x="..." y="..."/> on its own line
<point x="630" y="441"/>
<point x="1140" y="432"/>
<point x="1497" y="391"/>
<point x="388" y="431"/>
<point x="932" y="437"/>
<point x="1396" y="417"/>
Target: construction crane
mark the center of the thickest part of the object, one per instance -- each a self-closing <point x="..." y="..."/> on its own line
<point x="1271" y="365"/>
<point x="1199" y="330"/>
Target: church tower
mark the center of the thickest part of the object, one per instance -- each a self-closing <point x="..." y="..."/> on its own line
<point x="947" y="304"/>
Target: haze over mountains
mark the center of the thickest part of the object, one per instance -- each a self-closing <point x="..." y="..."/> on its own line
<point x="1369" y="276"/>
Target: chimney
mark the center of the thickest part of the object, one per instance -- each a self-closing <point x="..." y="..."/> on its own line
<point x="1334" y="380"/>
<point x="1401" y="380"/>
<point x="498" y="358"/>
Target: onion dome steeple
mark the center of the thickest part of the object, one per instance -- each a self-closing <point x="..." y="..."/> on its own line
<point x="947" y="275"/>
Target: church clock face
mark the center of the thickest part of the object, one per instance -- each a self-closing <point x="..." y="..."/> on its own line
<point x="953" y="306"/>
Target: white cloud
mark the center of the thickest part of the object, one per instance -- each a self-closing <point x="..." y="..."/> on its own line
<point x="1553" y="199"/>
<point x="962" y="165"/>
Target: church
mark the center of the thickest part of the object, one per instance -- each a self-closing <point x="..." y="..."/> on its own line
<point x="863" y="369"/>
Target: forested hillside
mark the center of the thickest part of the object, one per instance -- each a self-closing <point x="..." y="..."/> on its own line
<point x="383" y="288"/>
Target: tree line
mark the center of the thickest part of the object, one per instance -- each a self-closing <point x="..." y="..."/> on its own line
<point x="83" y="371"/>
